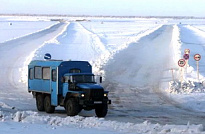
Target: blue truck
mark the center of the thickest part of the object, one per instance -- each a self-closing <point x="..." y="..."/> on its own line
<point x="70" y="84"/>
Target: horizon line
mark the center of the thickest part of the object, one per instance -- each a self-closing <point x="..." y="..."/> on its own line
<point x="111" y="16"/>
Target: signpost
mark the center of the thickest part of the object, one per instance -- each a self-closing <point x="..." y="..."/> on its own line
<point x="172" y="71"/>
<point x="187" y="51"/>
<point x="197" y="58"/>
<point x="172" y="74"/>
<point x="181" y="63"/>
<point x="186" y="57"/>
<point x="47" y="56"/>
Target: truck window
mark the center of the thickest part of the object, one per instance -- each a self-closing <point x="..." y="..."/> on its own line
<point x="66" y="78"/>
<point x="31" y="73"/>
<point x="83" y="78"/>
<point x="46" y="73"/>
<point x="37" y="73"/>
<point x="54" y="75"/>
<point x="74" y="70"/>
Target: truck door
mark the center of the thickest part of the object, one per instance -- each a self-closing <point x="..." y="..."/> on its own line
<point x="54" y="86"/>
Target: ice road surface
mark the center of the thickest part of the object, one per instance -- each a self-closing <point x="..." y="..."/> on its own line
<point x="134" y="56"/>
<point x="12" y="29"/>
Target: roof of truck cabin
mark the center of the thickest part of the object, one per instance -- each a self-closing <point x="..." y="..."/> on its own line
<point x="76" y="74"/>
<point x="53" y="62"/>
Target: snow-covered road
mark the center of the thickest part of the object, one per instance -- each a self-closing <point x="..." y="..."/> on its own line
<point x="134" y="60"/>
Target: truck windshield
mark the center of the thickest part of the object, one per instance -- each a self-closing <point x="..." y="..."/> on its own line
<point x="83" y="78"/>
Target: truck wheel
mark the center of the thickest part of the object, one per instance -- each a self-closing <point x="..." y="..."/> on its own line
<point x="80" y="108"/>
<point x="47" y="104"/>
<point x="40" y="102"/>
<point x="72" y="107"/>
<point x="101" y="110"/>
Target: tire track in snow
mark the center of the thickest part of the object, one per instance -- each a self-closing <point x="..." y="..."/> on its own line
<point x="133" y="76"/>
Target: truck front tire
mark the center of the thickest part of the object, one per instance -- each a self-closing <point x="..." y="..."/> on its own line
<point x="47" y="104"/>
<point x="40" y="102"/>
<point x="101" y="110"/>
<point x="72" y="107"/>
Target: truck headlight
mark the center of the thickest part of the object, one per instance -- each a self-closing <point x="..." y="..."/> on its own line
<point x="82" y="95"/>
<point x="105" y="95"/>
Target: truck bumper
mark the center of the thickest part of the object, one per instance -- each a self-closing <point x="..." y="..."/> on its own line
<point x="90" y="103"/>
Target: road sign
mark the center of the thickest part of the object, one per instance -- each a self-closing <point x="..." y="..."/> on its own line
<point x="187" y="51"/>
<point x="181" y="62"/>
<point x="47" y="56"/>
<point x="186" y="56"/>
<point x="197" y="57"/>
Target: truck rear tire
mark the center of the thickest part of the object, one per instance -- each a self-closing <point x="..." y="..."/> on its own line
<point x="40" y="102"/>
<point x="101" y="110"/>
<point x="47" y="104"/>
<point x="72" y="107"/>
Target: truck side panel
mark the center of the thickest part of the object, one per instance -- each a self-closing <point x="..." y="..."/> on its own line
<point x="39" y="86"/>
<point x="54" y="86"/>
<point x="40" y="81"/>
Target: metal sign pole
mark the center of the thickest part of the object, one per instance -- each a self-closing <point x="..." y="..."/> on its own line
<point x="181" y="76"/>
<point x="181" y="64"/>
<point x="197" y="68"/>
<point x="186" y="66"/>
<point x="197" y="57"/>
<point x="172" y="74"/>
<point x="186" y="57"/>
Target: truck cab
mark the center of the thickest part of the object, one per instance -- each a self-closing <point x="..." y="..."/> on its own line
<point x="70" y="84"/>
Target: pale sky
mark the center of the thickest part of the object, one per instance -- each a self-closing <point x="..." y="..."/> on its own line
<point x="106" y="7"/>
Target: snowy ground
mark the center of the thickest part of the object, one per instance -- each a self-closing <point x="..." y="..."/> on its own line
<point x="192" y="37"/>
<point x="135" y="57"/>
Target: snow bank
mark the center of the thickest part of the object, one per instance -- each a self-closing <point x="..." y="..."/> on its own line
<point x="186" y="87"/>
<point x="24" y="70"/>
<point x="79" y="42"/>
<point x="176" y="44"/>
<point x="3" y="105"/>
<point x="1" y="116"/>
<point x="99" y="63"/>
<point x="200" y="29"/>
<point x="172" y="71"/>
<point x="186" y="77"/>
<point x="85" y="123"/>
<point x="116" y="35"/>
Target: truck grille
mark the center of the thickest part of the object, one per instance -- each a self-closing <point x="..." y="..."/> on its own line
<point x="94" y="94"/>
<point x="97" y="94"/>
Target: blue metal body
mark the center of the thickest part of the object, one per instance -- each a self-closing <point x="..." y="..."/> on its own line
<point x="52" y="84"/>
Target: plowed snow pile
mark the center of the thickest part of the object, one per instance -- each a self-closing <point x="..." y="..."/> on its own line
<point x="85" y="124"/>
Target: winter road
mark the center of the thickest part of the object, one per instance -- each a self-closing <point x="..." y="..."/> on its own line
<point x="133" y="76"/>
